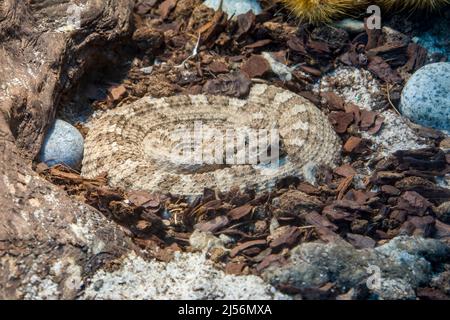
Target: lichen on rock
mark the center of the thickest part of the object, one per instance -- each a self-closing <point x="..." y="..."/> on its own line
<point x="404" y="263"/>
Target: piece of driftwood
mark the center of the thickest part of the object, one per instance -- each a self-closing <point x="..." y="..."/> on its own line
<point x="49" y="243"/>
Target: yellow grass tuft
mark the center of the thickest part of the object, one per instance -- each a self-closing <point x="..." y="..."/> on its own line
<point x="324" y="11"/>
<point x="414" y="4"/>
<point x="319" y="11"/>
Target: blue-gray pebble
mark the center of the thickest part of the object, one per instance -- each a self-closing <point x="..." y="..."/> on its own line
<point x="425" y="98"/>
<point x="235" y="7"/>
<point x="63" y="144"/>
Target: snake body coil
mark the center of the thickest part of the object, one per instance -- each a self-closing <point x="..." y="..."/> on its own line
<point x="135" y="144"/>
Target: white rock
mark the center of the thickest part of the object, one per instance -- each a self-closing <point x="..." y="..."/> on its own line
<point x="351" y="25"/>
<point x="235" y="7"/>
<point x="282" y="71"/>
<point x="425" y="98"/>
<point x="188" y="276"/>
<point x="63" y="144"/>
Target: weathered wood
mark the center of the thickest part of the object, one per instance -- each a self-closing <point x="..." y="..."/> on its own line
<point x="49" y="243"/>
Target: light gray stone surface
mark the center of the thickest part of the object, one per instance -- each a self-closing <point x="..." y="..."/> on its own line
<point x="425" y="98"/>
<point x="63" y="144"/>
<point x="404" y="264"/>
<point x="235" y="7"/>
<point x="351" y="25"/>
<point x="188" y="276"/>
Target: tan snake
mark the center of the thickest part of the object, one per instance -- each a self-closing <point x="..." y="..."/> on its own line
<point x="134" y="144"/>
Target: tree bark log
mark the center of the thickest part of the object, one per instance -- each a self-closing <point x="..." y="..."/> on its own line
<point x="49" y="243"/>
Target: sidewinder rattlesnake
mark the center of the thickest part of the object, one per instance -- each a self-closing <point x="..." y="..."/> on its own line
<point x="134" y="143"/>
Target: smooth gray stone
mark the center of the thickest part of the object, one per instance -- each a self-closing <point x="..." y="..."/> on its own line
<point x="235" y="7"/>
<point x="425" y="98"/>
<point x="403" y="264"/>
<point x="63" y="144"/>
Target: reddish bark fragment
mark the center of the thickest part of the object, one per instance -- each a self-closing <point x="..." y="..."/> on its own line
<point x="352" y="144"/>
<point x="240" y="212"/>
<point x="241" y="247"/>
<point x="256" y="66"/>
<point x="340" y="120"/>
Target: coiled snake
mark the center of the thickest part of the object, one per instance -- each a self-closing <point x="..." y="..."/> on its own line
<point x="134" y="144"/>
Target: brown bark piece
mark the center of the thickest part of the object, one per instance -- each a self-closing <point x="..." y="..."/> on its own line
<point x="43" y="226"/>
<point x="256" y="66"/>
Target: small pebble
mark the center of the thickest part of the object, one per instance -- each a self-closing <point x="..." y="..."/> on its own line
<point x="147" y="70"/>
<point x="283" y="72"/>
<point x="63" y="144"/>
<point x="425" y="99"/>
<point x="351" y="25"/>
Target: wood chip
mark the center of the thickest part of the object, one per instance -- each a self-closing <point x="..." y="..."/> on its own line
<point x="317" y="220"/>
<point x="345" y="170"/>
<point x="240" y="212"/>
<point x="218" y="67"/>
<point x="334" y="101"/>
<point x="236" y="84"/>
<point x="419" y="226"/>
<point x="417" y="57"/>
<point x="235" y="268"/>
<point x="413" y="203"/>
<point x="166" y="7"/>
<point x="289" y="237"/>
<point x="141" y="198"/>
<point x="367" y="119"/>
<point x="379" y="121"/>
<point x="352" y="144"/>
<point x="390" y="190"/>
<point x="118" y="92"/>
<point x="213" y="225"/>
<point x="382" y="70"/>
<point x="236" y="250"/>
<point x="271" y="260"/>
<point x="353" y="108"/>
<point x="245" y="23"/>
<point x="296" y="44"/>
<point x="256" y="66"/>
<point x="340" y="120"/>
